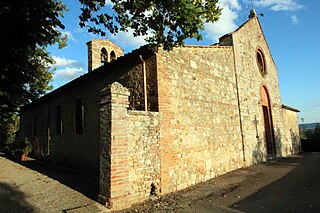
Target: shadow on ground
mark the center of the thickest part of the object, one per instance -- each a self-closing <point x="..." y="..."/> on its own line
<point x="298" y="191"/>
<point x="13" y="200"/>
<point x="85" y="185"/>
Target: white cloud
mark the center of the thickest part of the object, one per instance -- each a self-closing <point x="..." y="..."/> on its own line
<point x="68" y="73"/>
<point x="69" y="35"/>
<point x="79" y="30"/>
<point x="96" y="36"/>
<point x="278" y="5"/>
<point x="62" y="62"/>
<point x="108" y="2"/>
<point x="294" y="20"/>
<point x="234" y="4"/>
<point x="126" y="39"/>
<point x="227" y="20"/>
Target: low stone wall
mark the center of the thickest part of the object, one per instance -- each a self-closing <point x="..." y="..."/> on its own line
<point x="144" y="155"/>
<point x="129" y="155"/>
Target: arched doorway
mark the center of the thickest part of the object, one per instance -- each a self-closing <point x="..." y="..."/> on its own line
<point x="267" y="121"/>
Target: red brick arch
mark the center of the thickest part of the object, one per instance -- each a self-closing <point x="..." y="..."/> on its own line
<point x="264" y="96"/>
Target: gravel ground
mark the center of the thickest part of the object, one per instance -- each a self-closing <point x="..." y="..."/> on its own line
<point x="32" y="187"/>
<point x="282" y="185"/>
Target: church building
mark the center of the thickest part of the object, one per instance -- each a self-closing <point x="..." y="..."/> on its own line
<point x="153" y="121"/>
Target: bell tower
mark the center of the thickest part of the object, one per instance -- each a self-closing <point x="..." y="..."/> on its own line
<point x="101" y="52"/>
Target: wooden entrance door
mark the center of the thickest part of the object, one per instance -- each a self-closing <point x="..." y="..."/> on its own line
<point x="267" y="120"/>
<point x="268" y="131"/>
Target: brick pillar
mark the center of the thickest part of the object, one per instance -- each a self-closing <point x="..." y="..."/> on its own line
<point x="114" y="129"/>
<point x="167" y="153"/>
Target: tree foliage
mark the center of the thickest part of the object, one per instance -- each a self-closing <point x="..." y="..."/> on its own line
<point x="312" y="134"/>
<point x="28" y="27"/>
<point x="167" y="23"/>
<point x="310" y="139"/>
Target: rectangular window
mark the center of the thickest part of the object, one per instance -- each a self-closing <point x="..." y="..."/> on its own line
<point x="58" y="120"/>
<point x="34" y="125"/>
<point x="79" y="116"/>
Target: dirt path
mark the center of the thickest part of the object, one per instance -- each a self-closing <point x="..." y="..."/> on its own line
<point x="283" y="185"/>
<point x="35" y="188"/>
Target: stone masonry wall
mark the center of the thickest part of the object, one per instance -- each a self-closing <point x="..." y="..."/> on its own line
<point x="144" y="154"/>
<point x="129" y="155"/>
<point x="292" y="142"/>
<point x="246" y="40"/>
<point x="80" y="150"/>
<point x="199" y="116"/>
<point x="94" y="51"/>
<point x="152" y="84"/>
<point x="40" y="140"/>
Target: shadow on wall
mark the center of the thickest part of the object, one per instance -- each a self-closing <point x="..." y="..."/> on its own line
<point x="295" y="141"/>
<point x="13" y="200"/>
<point x="286" y="149"/>
<point x="258" y="154"/>
<point x="279" y="145"/>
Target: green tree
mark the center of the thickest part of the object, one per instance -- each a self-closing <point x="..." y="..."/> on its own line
<point x="317" y="133"/>
<point x="8" y="131"/>
<point x="312" y="135"/>
<point x="308" y="134"/>
<point x="28" y="27"/>
<point x="170" y="22"/>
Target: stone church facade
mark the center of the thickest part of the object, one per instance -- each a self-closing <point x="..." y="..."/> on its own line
<point x="153" y="121"/>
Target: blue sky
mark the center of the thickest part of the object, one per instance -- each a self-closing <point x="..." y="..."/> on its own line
<point x="291" y="28"/>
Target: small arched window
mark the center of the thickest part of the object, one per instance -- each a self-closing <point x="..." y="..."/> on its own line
<point x="113" y="56"/>
<point x="261" y="62"/>
<point x="103" y="56"/>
